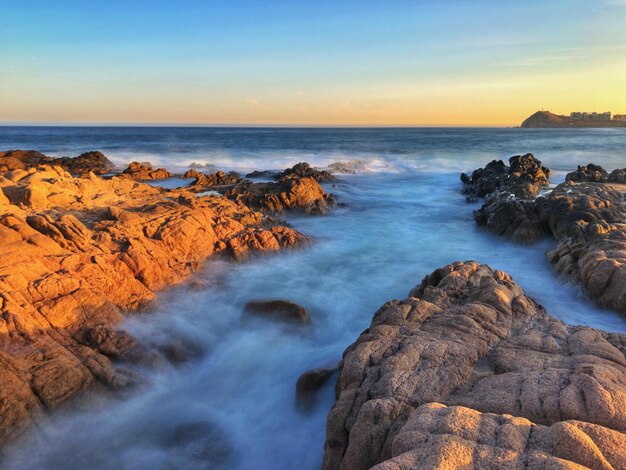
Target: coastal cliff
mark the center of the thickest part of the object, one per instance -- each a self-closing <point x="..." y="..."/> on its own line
<point x="546" y="119"/>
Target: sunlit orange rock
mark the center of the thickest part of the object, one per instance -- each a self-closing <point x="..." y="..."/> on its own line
<point x="79" y="252"/>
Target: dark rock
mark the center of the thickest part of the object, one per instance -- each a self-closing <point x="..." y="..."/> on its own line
<point x="279" y="310"/>
<point x="304" y="170"/>
<point x="617" y="176"/>
<point x="589" y="173"/>
<point x="262" y="174"/>
<point x="524" y="178"/>
<point x="309" y="383"/>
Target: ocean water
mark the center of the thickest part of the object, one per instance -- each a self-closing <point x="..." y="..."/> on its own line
<point x="404" y="217"/>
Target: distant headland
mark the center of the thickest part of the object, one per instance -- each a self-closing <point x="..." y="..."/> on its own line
<point x="575" y="119"/>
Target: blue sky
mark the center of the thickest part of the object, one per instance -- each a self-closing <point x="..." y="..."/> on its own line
<point x="369" y="62"/>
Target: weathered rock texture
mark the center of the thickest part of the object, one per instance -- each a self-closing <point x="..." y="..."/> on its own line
<point x="303" y="194"/>
<point x="95" y="162"/>
<point x="76" y="254"/>
<point x="304" y="170"/>
<point x="589" y="222"/>
<point x="218" y="178"/>
<point x="468" y="372"/>
<point x="596" y="174"/>
<point x="144" y="172"/>
<point x="523" y="178"/>
<point x="587" y="217"/>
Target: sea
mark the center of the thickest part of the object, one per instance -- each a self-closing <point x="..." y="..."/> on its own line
<point x="402" y="215"/>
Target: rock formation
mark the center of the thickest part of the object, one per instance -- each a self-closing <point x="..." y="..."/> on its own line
<point x="303" y="194"/>
<point x="304" y="170"/>
<point x="523" y="178"/>
<point x="586" y="216"/>
<point x="596" y="174"/>
<point x="79" y="252"/>
<point x="218" y="178"/>
<point x="469" y="372"/>
<point x="144" y="172"/>
<point x="95" y="162"/>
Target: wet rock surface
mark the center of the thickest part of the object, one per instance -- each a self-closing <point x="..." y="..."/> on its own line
<point x="145" y="172"/>
<point x="588" y="173"/>
<point x="304" y="170"/>
<point x="77" y="254"/>
<point x="523" y="178"/>
<point x="470" y="372"/>
<point x="586" y="215"/>
<point x="278" y="310"/>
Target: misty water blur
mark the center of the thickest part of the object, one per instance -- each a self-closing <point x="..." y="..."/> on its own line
<point x="404" y="217"/>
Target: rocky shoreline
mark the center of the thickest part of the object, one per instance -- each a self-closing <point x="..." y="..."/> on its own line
<point x="467" y="371"/>
<point x="80" y="251"/>
<point x="586" y="215"/>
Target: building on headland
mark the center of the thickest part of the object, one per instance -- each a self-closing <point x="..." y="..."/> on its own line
<point x="619" y="117"/>
<point x="584" y="116"/>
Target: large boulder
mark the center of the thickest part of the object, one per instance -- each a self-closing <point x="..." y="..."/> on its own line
<point x="468" y="371"/>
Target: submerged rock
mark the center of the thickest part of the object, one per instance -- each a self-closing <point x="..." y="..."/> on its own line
<point x="468" y="371"/>
<point x="203" y="443"/>
<point x="309" y="383"/>
<point x="279" y="310"/>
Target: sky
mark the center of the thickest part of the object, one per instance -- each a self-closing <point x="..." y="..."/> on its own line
<point x="310" y="63"/>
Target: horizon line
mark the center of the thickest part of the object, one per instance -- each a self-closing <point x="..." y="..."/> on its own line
<point x="253" y="125"/>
